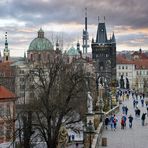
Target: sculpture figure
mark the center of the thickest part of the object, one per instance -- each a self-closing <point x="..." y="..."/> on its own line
<point x="122" y="82"/>
<point x="89" y="103"/>
<point x="62" y="137"/>
<point x="127" y="83"/>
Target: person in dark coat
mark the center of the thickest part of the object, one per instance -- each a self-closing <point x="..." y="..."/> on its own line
<point x="126" y="110"/>
<point x="130" y="118"/>
<point x="143" y="118"/>
<point x="106" y="122"/>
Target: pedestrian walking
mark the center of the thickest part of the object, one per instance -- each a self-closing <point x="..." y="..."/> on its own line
<point x="134" y="103"/>
<point x="123" y="109"/>
<point x="115" y="122"/>
<point x="126" y="110"/>
<point x="124" y="118"/>
<point x="111" y="122"/>
<point x="122" y="122"/>
<point x="106" y="122"/>
<point x="143" y="118"/>
<point x="142" y="102"/>
<point x="138" y="112"/>
<point x="130" y="118"/>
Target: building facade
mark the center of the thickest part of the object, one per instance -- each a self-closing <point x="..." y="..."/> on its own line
<point x="135" y="69"/>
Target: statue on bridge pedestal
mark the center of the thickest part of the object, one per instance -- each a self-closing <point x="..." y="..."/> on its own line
<point x="89" y="103"/>
<point x="127" y="83"/>
<point x="122" y="82"/>
<point x="62" y="137"/>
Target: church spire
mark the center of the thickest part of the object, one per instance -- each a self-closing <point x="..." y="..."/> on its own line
<point x="6" y="50"/>
<point x="6" y="43"/>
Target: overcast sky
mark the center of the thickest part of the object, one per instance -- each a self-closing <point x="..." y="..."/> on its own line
<point x="64" y="19"/>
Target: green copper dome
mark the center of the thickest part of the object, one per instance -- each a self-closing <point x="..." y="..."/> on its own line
<point x="72" y="52"/>
<point x="40" y="43"/>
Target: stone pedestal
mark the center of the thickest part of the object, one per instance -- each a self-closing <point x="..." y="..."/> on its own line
<point x="87" y="139"/>
<point x="90" y="117"/>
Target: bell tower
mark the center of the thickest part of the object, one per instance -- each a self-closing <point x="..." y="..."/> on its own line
<point x="6" y="52"/>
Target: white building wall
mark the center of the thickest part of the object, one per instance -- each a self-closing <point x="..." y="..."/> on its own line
<point x="127" y="70"/>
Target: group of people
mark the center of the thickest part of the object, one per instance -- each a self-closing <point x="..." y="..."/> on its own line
<point x="113" y="120"/>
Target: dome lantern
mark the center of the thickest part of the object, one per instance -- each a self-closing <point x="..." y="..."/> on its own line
<point x="40" y="33"/>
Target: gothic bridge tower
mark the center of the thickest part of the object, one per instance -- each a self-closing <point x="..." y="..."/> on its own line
<point x="104" y="53"/>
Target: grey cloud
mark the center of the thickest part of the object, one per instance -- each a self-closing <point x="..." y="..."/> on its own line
<point x="36" y="13"/>
<point x="119" y="12"/>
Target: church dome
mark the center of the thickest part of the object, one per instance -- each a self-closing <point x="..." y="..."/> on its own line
<point x="72" y="52"/>
<point x="40" y="43"/>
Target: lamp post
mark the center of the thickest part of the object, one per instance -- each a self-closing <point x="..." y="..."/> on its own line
<point x="90" y="131"/>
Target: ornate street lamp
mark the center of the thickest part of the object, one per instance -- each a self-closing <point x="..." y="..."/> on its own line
<point x="90" y="130"/>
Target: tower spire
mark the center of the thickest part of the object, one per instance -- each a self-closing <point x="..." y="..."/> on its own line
<point x="86" y="19"/>
<point x="6" y="50"/>
<point x="85" y="35"/>
<point x="6" y="43"/>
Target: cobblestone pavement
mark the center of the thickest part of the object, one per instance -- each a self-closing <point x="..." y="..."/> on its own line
<point x="137" y="137"/>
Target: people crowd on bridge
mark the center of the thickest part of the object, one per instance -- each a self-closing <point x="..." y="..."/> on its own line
<point x="138" y="99"/>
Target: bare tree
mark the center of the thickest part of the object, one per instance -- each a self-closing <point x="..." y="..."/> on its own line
<point x="59" y="97"/>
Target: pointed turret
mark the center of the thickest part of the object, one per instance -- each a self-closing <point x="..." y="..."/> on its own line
<point x="6" y="50"/>
<point x="113" y="40"/>
<point x="101" y="36"/>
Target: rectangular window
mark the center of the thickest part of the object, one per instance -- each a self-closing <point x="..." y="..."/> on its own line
<point x="126" y="67"/>
<point x="137" y="73"/>
<point x="140" y="73"/>
<point x="22" y="87"/>
<point x="122" y="67"/>
<point x="21" y="71"/>
<point x="22" y="79"/>
<point x="126" y="74"/>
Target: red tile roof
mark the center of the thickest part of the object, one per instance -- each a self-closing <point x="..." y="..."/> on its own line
<point x="121" y="60"/>
<point x="6" y="94"/>
<point x="139" y="63"/>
